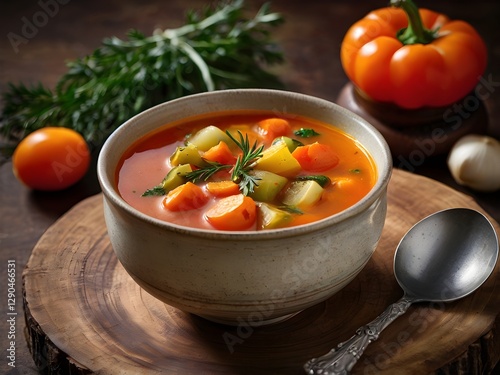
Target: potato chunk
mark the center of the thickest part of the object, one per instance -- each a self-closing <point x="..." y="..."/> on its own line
<point x="303" y="194"/>
<point x="278" y="159"/>
<point x="209" y="137"/>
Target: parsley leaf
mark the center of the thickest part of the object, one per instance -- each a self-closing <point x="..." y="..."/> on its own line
<point x="306" y="133"/>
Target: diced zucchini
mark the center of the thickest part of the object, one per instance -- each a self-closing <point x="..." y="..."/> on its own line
<point x="208" y="137"/>
<point x="302" y="194"/>
<point x="270" y="217"/>
<point x="291" y="143"/>
<point x="186" y="155"/>
<point x="176" y="177"/>
<point x="269" y="185"/>
<point x="278" y="159"/>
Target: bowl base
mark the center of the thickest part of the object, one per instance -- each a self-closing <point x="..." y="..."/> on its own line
<point x="246" y="318"/>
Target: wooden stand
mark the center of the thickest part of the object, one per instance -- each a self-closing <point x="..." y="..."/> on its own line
<point x="419" y="133"/>
<point x="85" y="314"/>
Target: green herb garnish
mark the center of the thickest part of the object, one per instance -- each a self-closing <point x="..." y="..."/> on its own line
<point x="245" y="163"/>
<point x="306" y="133"/>
<point x="239" y="174"/>
<point x="218" y="49"/>
<point x="320" y="179"/>
<point x="203" y="174"/>
<point x="158" y="190"/>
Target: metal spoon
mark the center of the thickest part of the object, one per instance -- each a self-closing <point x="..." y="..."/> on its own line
<point x="444" y="257"/>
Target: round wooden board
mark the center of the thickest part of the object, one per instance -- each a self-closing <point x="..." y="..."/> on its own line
<point x="85" y="314"/>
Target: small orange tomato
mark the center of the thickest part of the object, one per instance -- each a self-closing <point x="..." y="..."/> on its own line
<point x="51" y="158"/>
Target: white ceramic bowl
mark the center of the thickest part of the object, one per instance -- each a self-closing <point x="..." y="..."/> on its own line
<point x="244" y="277"/>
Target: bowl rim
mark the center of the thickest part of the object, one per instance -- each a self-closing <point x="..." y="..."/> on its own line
<point x="110" y="191"/>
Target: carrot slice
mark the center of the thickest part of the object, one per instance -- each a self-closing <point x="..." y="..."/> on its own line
<point x="316" y="157"/>
<point x="222" y="188"/>
<point x="236" y="212"/>
<point x="274" y="127"/>
<point x="220" y="154"/>
<point x="185" y="197"/>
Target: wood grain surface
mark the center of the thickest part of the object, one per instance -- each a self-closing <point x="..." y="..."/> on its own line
<point x="85" y="314"/>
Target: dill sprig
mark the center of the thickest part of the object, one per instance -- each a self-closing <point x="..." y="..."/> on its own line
<point x="245" y="163"/>
<point x="216" y="49"/>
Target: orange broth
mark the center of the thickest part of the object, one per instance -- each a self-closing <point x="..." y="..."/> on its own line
<point x="146" y="163"/>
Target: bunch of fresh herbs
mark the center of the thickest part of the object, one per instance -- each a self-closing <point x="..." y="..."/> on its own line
<point x="217" y="49"/>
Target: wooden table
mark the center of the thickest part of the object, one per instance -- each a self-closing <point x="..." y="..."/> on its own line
<point x="310" y="38"/>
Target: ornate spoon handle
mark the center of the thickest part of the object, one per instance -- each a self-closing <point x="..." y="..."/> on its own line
<point x="341" y="360"/>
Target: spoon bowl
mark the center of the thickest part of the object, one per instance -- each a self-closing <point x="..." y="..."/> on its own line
<point x="446" y="256"/>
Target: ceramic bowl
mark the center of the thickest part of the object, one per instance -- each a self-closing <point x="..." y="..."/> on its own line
<point x="244" y="277"/>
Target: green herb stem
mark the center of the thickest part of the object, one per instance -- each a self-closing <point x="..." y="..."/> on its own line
<point x="203" y="174"/>
<point x="245" y="163"/>
<point x="415" y="32"/>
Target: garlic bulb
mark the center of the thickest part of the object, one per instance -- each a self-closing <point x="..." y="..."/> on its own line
<point x="474" y="161"/>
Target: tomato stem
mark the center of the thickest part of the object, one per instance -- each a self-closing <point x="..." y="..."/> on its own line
<point x="415" y="33"/>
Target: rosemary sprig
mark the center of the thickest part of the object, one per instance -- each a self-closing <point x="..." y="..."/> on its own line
<point x="203" y="174"/>
<point x="245" y="163"/>
<point x="216" y="49"/>
<point x="240" y="170"/>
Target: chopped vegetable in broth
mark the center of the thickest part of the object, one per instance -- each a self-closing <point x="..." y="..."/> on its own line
<point x="245" y="170"/>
